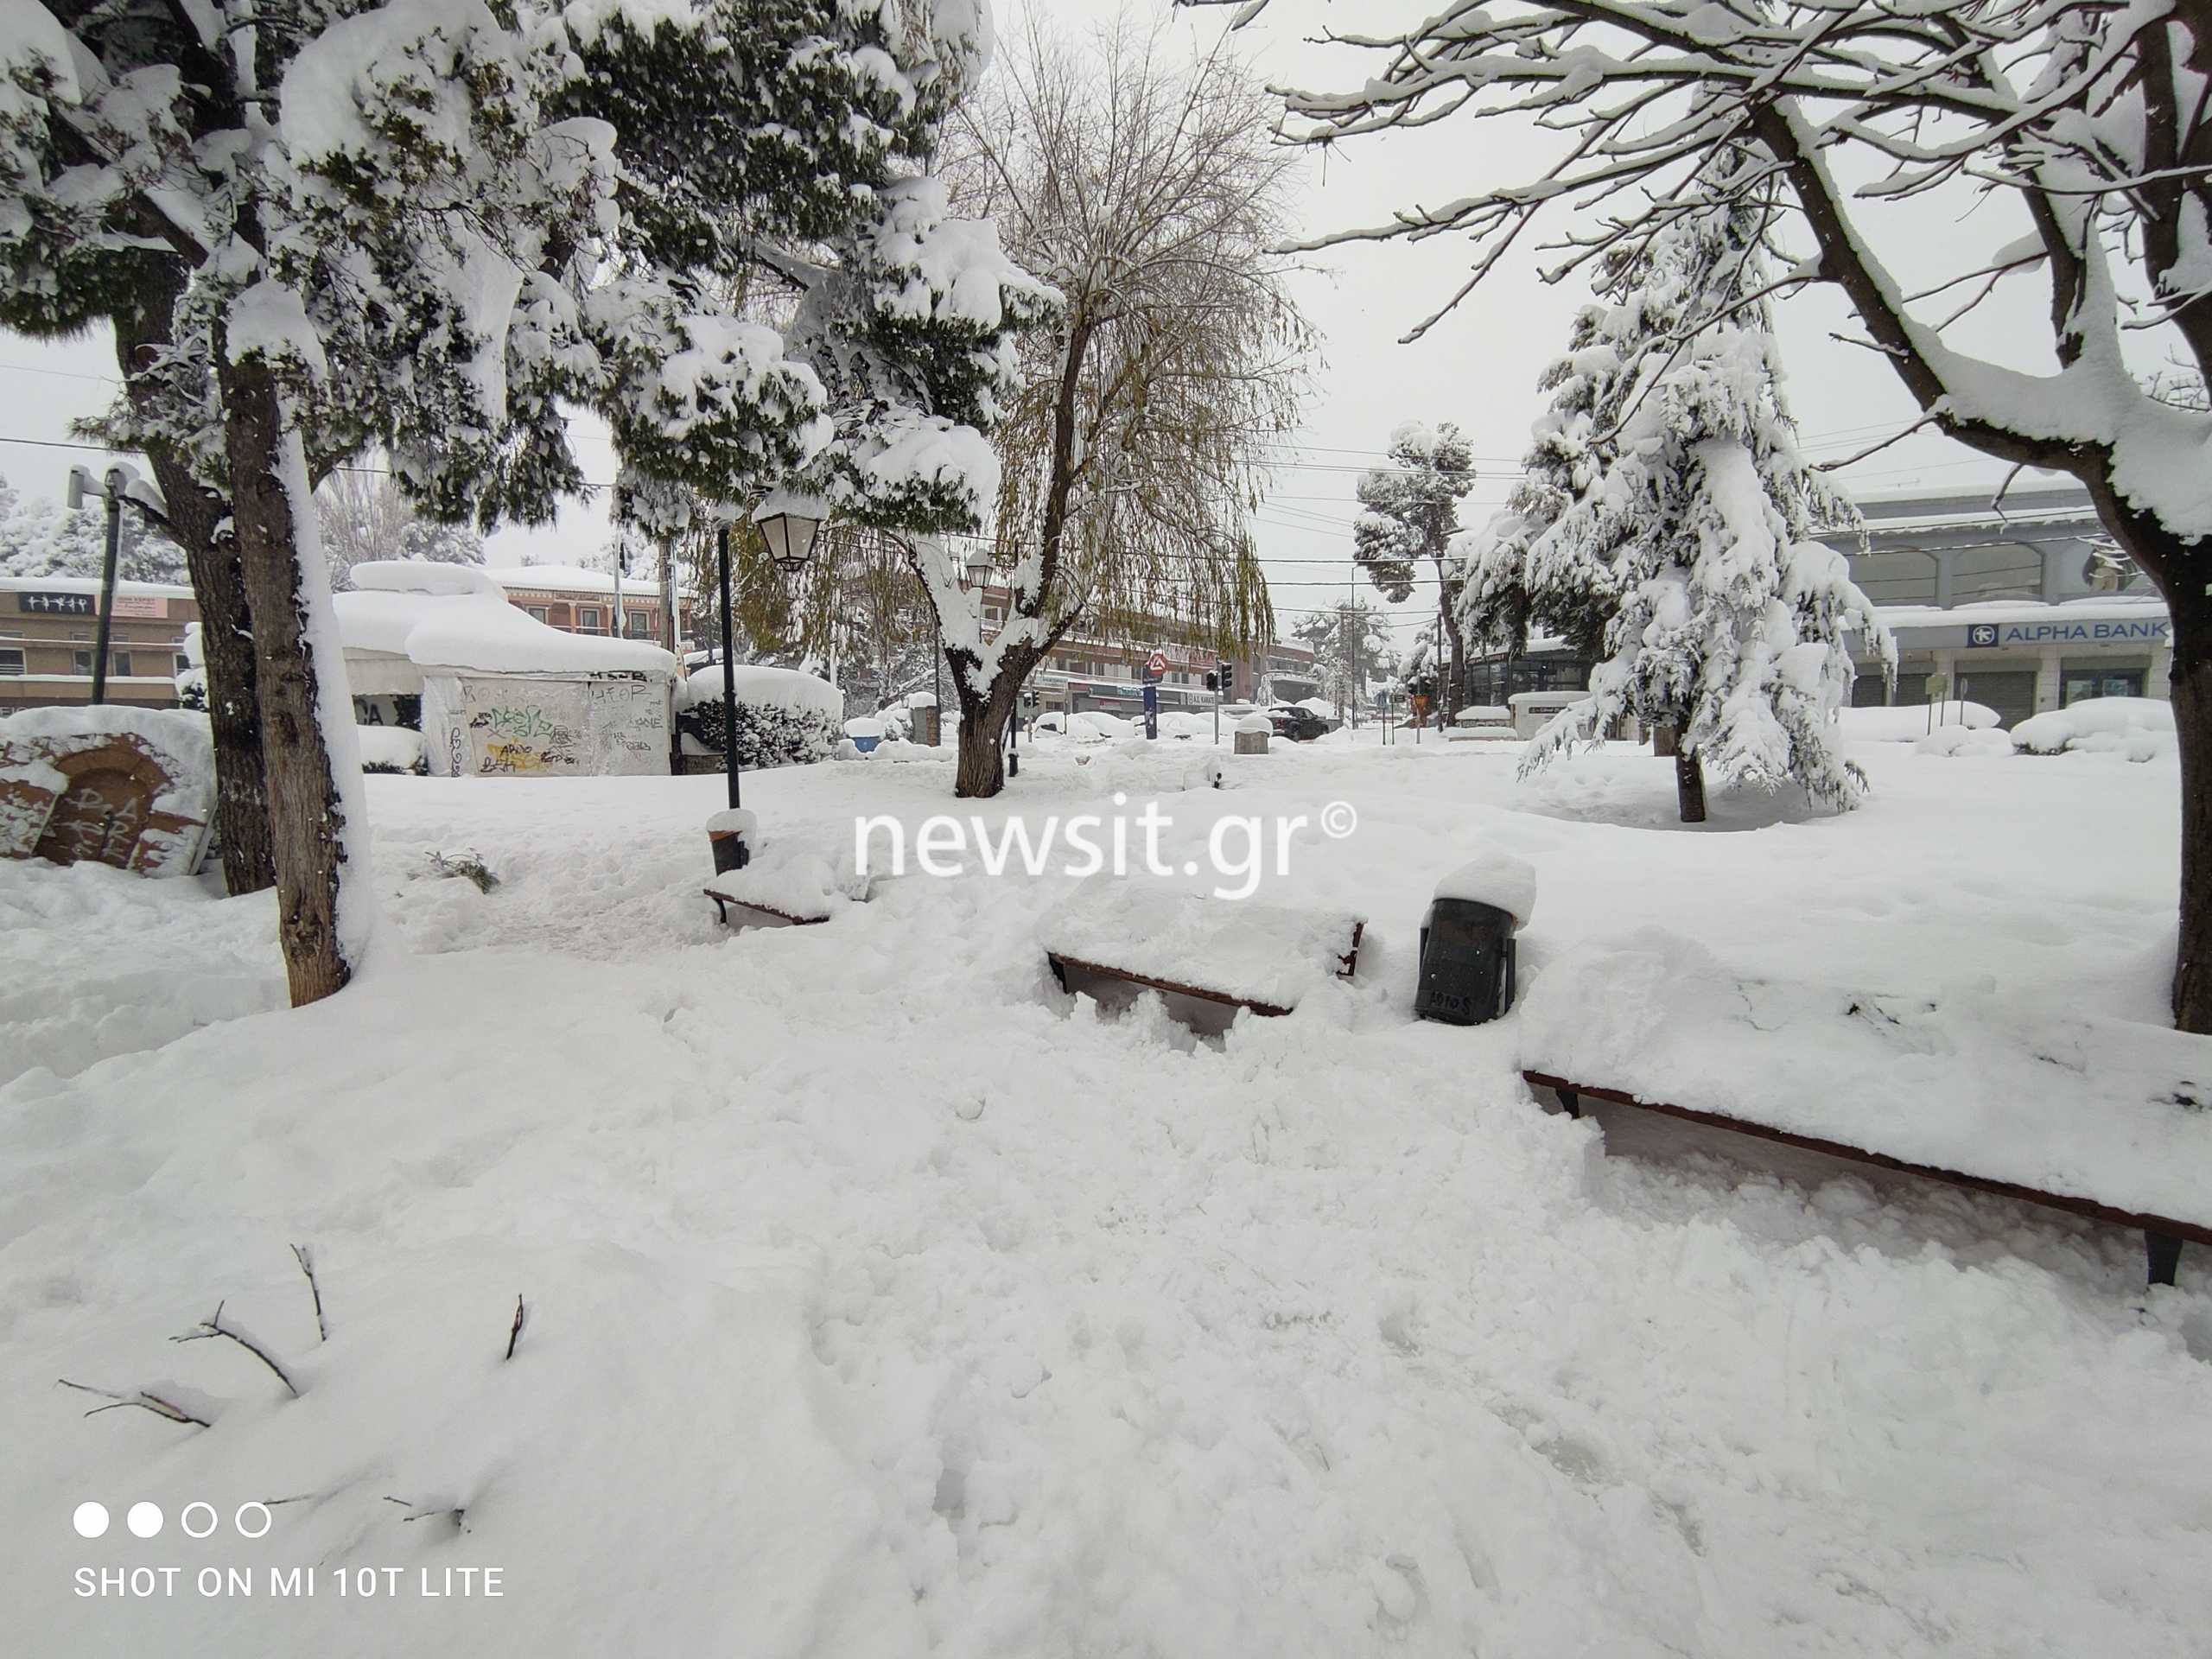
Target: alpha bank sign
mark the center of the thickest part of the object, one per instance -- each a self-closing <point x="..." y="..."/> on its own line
<point x="2149" y="631"/>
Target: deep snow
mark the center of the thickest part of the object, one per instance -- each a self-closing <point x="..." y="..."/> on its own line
<point x="883" y="1300"/>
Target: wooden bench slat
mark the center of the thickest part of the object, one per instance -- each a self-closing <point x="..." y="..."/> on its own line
<point x="2193" y="1232"/>
<point x="723" y="901"/>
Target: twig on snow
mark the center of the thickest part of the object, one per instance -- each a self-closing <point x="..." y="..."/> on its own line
<point x="143" y="1399"/>
<point x="214" y="1326"/>
<point x="514" y="1331"/>
<point x="305" y="1257"/>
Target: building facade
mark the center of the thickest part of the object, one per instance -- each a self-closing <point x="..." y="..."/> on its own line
<point x="1082" y="674"/>
<point x="2023" y="607"/>
<point x="48" y="626"/>
<point x="576" y="600"/>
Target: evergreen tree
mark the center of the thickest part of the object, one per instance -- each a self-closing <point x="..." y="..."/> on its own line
<point x="1411" y="513"/>
<point x="1690" y="524"/>
<point x="1351" y="645"/>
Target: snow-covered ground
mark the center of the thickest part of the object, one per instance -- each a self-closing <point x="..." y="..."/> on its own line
<point x="883" y="1300"/>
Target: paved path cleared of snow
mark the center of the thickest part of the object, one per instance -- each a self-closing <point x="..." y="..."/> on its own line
<point x="885" y="1300"/>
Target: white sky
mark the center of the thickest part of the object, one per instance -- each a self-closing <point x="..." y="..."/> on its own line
<point x="1477" y="368"/>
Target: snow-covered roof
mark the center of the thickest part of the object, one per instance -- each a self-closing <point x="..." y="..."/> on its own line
<point x="2097" y="607"/>
<point x="455" y="616"/>
<point x="92" y="585"/>
<point x="568" y="579"/>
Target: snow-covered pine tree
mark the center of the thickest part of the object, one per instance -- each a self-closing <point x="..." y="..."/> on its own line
<point x="435" y="225"/>
<point x="1729" y="623"/>
<point x="1500" y="599"/>
<point x="1410" y="513"/>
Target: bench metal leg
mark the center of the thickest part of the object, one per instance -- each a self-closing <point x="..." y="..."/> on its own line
<point x="1571" y="1100"/>
<point x="2163" y="1251"/>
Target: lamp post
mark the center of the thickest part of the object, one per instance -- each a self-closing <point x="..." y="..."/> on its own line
<point x="787" y="522"/>
<point x="120" y="484"/>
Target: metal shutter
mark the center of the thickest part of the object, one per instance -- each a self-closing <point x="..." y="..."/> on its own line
<point x="2010" y="692"/>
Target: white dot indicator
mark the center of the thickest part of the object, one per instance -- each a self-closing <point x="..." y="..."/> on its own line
<point x="144" y="1519"/>
<point x="185" y="1520"/>
<point x="260" y="1509"/>
<point x="90" y="1520"/>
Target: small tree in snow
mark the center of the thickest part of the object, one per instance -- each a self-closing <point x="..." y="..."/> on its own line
<point x="1692" y="528"/>
<point x="1411" y="512"/>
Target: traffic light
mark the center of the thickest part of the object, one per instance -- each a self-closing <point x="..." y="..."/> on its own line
<point x="1213" y="682"/>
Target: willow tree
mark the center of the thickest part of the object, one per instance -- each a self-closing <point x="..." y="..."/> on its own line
<point x="1147" y="190"/>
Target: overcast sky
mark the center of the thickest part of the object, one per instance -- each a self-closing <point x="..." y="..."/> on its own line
<point x="1479" y="367"/>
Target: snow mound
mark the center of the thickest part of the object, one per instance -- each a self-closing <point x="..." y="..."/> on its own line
<point x="1955" y="742"/>
<point x="2099" y="1109"/>
<point x="864" y="727"/>
<point x="421" y="577"/>
<point x="1250" y="723"/>
<point x="1092" y="726"/>
<point x="419" y="611"/>
<point x="762" y="687"/>
<point x="1496" y="879"/>
<point x="2139" y="727"/>
<point x="391" y="748"/>
<point x="1910" y="722"/>
<point x="1265" y="953"/>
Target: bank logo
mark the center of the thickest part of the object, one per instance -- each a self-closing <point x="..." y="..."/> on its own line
<point x="1981" y="633"/>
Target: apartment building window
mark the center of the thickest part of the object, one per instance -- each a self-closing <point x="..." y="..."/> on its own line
<point x="119" y="663"/>
<point x="11" y="660"/>
<point x="540" y="613"/>
<point x="641" y="625"/>
<point x="587" y="619"/>
<point x="184" y="663"/>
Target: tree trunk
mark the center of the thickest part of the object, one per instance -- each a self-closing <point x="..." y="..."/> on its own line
<point x="980" y="771"/>
<point x="1689" y="785"/>
<point x="226" y="623"/>
<point x="1446" y="605"/>
<point x="306" y="813"/>
<point x="2192" y="698"/>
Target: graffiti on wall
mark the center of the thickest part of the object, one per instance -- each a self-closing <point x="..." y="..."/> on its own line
<point x="512" y="726"/>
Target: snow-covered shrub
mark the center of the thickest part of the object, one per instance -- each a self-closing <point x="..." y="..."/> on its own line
<point x="2139" y="728"/>
<point x="783" y="717"/>
<point x="767" y="735"/>
<point x="391" y="749"/>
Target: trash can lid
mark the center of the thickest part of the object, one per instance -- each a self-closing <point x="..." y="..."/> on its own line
<point x="1496" y="878"/>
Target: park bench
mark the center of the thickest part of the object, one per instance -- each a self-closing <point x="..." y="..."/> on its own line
<point x="797" y="889"/>
<point x="2106" y="1119"/>
<point x="1230" y="953"/>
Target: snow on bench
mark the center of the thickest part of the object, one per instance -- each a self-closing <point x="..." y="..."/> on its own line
<point x="1232" y="951"/>
<point x="2103" y="1117"/>
<point x="797" y="891"/>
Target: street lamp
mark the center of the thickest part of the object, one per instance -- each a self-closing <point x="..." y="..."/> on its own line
<point x="788" y="521"/>
<point x="121" y="485"/>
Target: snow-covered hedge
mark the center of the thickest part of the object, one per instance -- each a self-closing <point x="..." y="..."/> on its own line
<point x="783" y="717"/>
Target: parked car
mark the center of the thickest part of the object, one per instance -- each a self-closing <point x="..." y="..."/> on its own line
<point x="1299" y="725"/>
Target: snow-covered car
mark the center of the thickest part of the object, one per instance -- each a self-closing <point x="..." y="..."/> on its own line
<point x="1298" y="724"/>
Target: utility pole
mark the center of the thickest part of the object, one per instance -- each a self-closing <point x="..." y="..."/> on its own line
<point x="81" y="485"/>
